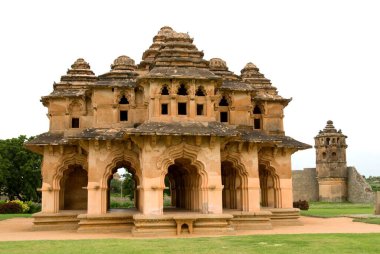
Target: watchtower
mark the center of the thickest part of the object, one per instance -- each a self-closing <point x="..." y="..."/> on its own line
<point x="330" y="146"/>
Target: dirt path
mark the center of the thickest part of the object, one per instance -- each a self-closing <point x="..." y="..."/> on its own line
<point x="20" y="229"/>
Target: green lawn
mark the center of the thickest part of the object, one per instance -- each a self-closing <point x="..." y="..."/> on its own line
<point x="368" y="220"/>
<point x="317" y="243"/>
<point x="17" y="215"/>
<point x="325" y="210"/>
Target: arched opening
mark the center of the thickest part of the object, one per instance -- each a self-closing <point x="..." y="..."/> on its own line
<point x="256" y="110"/>
<point x="269" y="187"/>
<point x="182" y="90"/>
<point x="73" y="192"/>
<point x="223" y="102"/>
<point x="257" y="120"/>
<point x="223" y="110"/>
<point x="232" y="194"/>
<point x="184" y="183"/>
<point x="164" y="90"/>
<point x="122" y="192"/>
<point x="123" y="100"/>
<point x="324" y="155"/>
<point x="200" y="91"/>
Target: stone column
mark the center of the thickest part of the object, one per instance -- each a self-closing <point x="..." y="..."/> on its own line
<point x="377" y="203"/>
<point x="286" y="193"/>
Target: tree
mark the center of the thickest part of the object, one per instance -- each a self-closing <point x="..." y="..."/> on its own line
<point x="20" y="170"/>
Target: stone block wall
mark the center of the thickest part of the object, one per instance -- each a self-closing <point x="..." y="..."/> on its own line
<point x="305" y="184"/>
<point x="377" y="203"/>
<point x="359" y="191"/>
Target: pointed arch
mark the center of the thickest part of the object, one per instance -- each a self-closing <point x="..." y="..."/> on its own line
<point x="66" y="161"/>
<point x="269" y="185"/>
<point x="235" y="181"/>
<point x="188" y="175"/>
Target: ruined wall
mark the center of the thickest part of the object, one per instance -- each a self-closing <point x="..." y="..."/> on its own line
<point x="305" y="184"/>
<point x="359" y="191"/>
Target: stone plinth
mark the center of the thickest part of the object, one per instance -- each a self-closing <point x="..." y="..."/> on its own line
<point x="332" y="189"/>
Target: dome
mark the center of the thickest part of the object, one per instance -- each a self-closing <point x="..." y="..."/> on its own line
<point x="80" y="72"/>
<point x="123" y="63"/>
<point x="217" y="64"/>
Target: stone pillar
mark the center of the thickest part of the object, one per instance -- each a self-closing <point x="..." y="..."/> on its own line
<point x="377" y="203"/>
<point x="286" y="193"/>
<point x="97" y="198"/>
<point x="253" y="195"/>
<point x="50" y="199"/>
<point x="214" y="195"/>
<point x="151" y="200"/>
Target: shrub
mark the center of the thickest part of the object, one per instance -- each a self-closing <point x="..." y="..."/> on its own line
<point x="34" y="207"/>
<point x="10" y="207"/>
<point x="24" y="206"/>
<point x="301" y="204"/>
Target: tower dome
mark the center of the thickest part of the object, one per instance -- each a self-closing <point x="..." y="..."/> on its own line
<point x="80" y="72"/>
<point x="123" y="67"/>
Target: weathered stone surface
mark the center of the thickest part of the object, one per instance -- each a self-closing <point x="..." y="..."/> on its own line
<point x="359" y="191"/>
<point x="377" y="203"/>
<point x="217" y="137"/>
<point x="332" y="180"/>
<point x="305" y="184"/>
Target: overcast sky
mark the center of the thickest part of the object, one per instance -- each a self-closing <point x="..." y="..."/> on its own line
<point x="323" y="54"/>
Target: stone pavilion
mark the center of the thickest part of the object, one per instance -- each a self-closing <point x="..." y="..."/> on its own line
<point x="217" y="137"/>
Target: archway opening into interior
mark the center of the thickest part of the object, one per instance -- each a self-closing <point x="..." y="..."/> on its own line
<point x="183" y="182"/>
<point x="269" y="187"/>
<point x="122" y="192"/>
<point x="232" y="194"/>
<point x="73" y="189"/>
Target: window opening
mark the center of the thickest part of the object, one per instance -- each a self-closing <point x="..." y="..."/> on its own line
<point x="257" y="124"/>
<point x="182" y="90"/>
<point x="182" y="108"/>
<point x="164" y="90"/>
<point x="200" y="111"/>
<point x="200" y="91"/>
<point x="224" y="117"/>
<point x="123" y="115"/>
<point x="164" y="109"/>
<point x="223" y="102"/>
<point x="256" y="110"/>
<point x="123" y="100"/>
<point x="75" y="122"/>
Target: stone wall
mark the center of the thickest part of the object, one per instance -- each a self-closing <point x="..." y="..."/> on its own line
<point x="377" y="203"/>
<point x="305" y="184"/>
<point x="359" y="191"/>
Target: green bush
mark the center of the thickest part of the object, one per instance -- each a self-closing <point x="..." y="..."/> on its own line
<point x="301" y="204"/>
<point x="10" y="207"/>
<point x="34" y="207"/>
<point x="24" y="206"/>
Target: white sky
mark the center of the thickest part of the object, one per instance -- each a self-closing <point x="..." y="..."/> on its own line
<point x="323" y="54"/>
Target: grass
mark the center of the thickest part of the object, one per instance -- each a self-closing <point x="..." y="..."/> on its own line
<point x="14" y="215"/>
<point x="308" y="243"/>
<point x="368" y="220"/>
<point x="327" y="210"/>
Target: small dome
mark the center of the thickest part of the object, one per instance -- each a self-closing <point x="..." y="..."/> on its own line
<point x="80" y="72"/>
<point x="249" y="66"/>
<point x="329" y="127"/>
<point x="165" y="30"/>
<point x="217" y="64"/>
<point x="79" y="64"/>
<point x="123" y="63"/>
